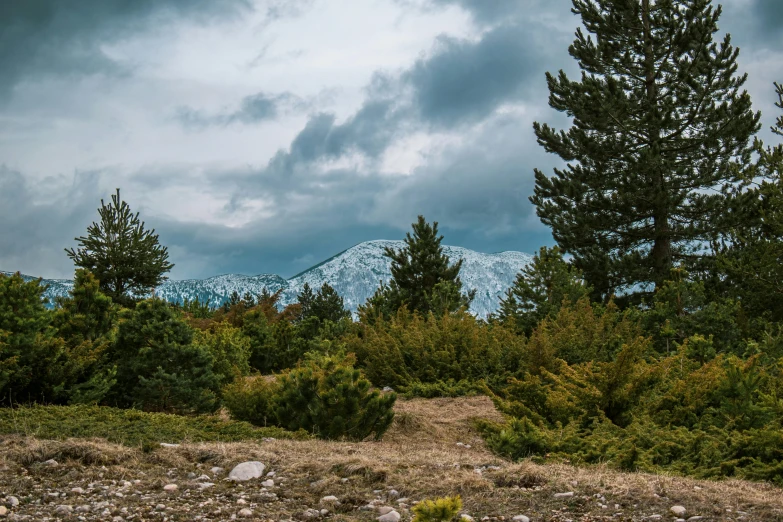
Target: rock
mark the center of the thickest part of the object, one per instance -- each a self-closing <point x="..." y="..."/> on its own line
<point x="271" y="474"/>
<point x="694" y="518"/>
<point x="520" y="518"/>
<point x="51" y="463"/>
<point x="168" y="445"/>
<point x="391" y="516"/>
<point x="3" y="511"/>
<point x="466" y="517"/>
<point x="388" y="389"/>
<point x="216" y="470"/>
<point x="205" y="485"/>
<point x="242" y="501"/>
<point x="203" y="478"/>
<point x="324" y="512"/>
<point x="245" y="512"/>
<point x="63" y="509"/>
<point x="77" y="491"/>
<point x="330" y="499"/>
<point x="161" y="507"/>
<point x="268" y="483"/>
<point x="13" y="501"/>
<point x="246" y="471"/>
<point x="170" y="487"/>
<point x="385" y="509"/>
<point x="678" y="511"/>
<point x="567" y="494"/>
<point x="311" y="513"/>
<point x="84" y="508"/>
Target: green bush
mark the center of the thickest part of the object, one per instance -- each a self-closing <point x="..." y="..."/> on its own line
<point x="410" y="348"/>
<point x="32" y="357"/>
<point x="230" y="349"/>
<point x="158" y="366"/>
<point x="438" y="510"/>
<point x="325" y="396"/>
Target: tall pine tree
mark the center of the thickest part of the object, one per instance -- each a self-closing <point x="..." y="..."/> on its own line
<point x="422" y="278"/>
<point x="127" y="259"/>
<point x="660" y="127"/>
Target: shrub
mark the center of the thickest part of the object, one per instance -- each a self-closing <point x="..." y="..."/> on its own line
<point x="230" y="349"/>
<point x="410" y="348"/>
<point x="158" y="366"/>
<point x="326" y="396"/>
<point x="438" y="510"/>
<point x="31" y="354"/>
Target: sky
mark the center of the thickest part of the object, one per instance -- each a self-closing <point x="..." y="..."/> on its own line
<point x="264" y="136"/>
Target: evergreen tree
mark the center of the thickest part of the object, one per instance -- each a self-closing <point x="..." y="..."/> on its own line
<point x="659" y="128"/>
<point x="422" y="279"/>
<point x="540" y="289"/>
<point x="127" y="260"/>
<point x="305" y="300"/>
<point x="85" y="321"/>
<point x="159" y="368"/>
<point x="752" y="256"/>
<point x="31" y="354"/>
<point x="328" y="305"/>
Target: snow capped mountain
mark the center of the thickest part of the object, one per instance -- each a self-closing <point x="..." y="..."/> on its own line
<point x="355" y="274"/>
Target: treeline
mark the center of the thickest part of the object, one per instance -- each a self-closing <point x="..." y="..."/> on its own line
<point x="650" y="337"/>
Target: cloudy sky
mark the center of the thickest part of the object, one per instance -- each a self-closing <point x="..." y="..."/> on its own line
<point x="263" y="136"/>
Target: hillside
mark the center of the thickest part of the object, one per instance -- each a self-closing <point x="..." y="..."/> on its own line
<point x="354" y="273"/>
<point x="431" y="450"/>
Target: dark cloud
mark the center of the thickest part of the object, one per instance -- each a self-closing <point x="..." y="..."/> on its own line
<point x="464" y="81"/>
<point x="256" y="108"/>
<point x="769" y="15"/>
<point x="34" y="233"/>
<point x="51" y="37"/>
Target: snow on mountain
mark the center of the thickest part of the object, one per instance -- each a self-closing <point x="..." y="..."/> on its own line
<point x="355" y="273"/>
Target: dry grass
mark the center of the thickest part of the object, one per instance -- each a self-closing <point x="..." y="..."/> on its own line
<point x="419" y="458"/>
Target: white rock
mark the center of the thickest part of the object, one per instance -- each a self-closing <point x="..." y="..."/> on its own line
<point x="13" y="501"/>
<point x="567" y="494"/>
<point x="246" y="471"/>
<point x="3" y="511"/>
<point x="268" y="483"/>
<point x="324" y="512"/>
<point x="245" y="512"/>
<point x="205" y="485"/>
<point x="84" y="508"/>
<point x="77" y="491"/>
<point x="391" y="516"/>
<point x="216" y="470"/>
<point x="311" y="513"/>
<point x="63" y="509"/>
<point x="242" y="501"/>
<point x="520" y="518"/>
<point x="168" y="445"/>
<point x="678" y="511"/>
<point x="330" y="499"/>
<point x="52" y="463"/>
<point x="161" y="507"/>
<point x="694" y="518"/>
<point x="385" y="509"/>
<point x="388" y="389"/>
<point x="271" y="474"/>
<point x="170" y="487"/>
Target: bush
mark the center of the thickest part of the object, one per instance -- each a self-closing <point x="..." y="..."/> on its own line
<point x="438" y="510"/>
<point x="31" y="355"/>
<point x="230" y="349"/>
<point x="158" y="366"/>
<point x="326" y="396"/>
<point x="410" y="348"/>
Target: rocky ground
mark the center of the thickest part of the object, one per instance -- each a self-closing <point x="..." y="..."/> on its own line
<point x="430" y="451"/>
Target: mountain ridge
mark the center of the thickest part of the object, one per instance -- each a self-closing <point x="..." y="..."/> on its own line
<point x="355" y="273"/>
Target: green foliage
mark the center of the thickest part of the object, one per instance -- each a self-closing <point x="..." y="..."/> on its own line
<point x="127" y="260"/>
<point x="408" y="349"/>
<point x="438" y="510"/>
<point x="325" y="395"/>
<point x="324" y="305"/>
<point x="422" y="279"/>
<point x="130" y="427"/>
<point x="661" y="130"/>
<point x="159" y="368"/>
<point x="540" y="289"/>
<point x="31" y="354"/>
<point x="85" y="321"/>
<point x="448" y="388"/>
<point x="230" y="349"/>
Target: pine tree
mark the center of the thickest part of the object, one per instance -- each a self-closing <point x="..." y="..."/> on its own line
<point x="751" y="259"/>
<point x="328" y="305"/>
<point x="305" y="300"/>
<point x="127" y="260"/>
<point x="422" y="278"/>
<point x="659" y="128"/>
<point x="539" y="290"/>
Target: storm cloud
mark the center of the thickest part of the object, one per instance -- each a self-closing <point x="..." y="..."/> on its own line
<point x="265" y="136"/>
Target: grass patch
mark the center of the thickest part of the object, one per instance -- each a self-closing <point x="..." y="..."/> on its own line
<point x="132" y="428"/>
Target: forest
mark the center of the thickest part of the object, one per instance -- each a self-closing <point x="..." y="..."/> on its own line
<point x="648" y="337"/>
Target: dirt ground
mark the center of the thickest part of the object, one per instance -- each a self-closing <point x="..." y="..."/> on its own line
<point x="431" y="450"/>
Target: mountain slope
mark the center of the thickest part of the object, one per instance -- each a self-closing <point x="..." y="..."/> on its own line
<point x="354" y="273"/>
